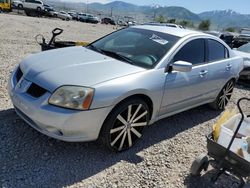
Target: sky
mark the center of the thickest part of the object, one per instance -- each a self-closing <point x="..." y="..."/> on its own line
<point x="196" y="6"/>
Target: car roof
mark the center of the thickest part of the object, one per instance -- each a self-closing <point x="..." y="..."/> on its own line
<point x="179" y="32"/>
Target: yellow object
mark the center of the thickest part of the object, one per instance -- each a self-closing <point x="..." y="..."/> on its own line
<point x="223" y="118"/>
<point x="5" y="5"/>
<point x="80" y="43"/>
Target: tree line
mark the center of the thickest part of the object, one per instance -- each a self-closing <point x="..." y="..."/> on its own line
<point x="204" y="25"/>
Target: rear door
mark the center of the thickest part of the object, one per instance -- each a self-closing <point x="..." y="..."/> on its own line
<point x="219" y="66"/>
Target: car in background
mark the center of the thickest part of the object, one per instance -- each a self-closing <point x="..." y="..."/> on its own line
<point x="5" y="5"/>
<point x="244" y="51"/>
<point x="48" y="8"/>
<point x="116" y="86"/>
<point x="88" y="18"/>
<point x="227" y="37"/>
<point x="110" y="21"/>
<point x="242" y="38"/>
<point x="17" y="4"/>
<point x="30" y="4"/>
<point x="122" y="23"/>
<point x="64" y="16"/>
<point x="131" y="23"/>
<point x="74" y="15"/>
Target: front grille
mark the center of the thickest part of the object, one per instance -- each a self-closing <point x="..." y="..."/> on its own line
<point x="19" y="74"/>
<point x="36" y="91"/>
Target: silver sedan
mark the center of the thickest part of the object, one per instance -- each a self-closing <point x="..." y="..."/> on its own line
<point x="116" y="86"/>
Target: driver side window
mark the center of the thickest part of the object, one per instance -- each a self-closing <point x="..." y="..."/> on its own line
<point x="192" y="52"/>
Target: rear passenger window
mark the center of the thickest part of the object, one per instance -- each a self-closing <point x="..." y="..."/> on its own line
<point x="193" y="52"/>
<point x="216" y="51"/>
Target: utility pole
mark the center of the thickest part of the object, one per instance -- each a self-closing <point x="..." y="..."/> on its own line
<point x="154" y="15"/>
<point x="111" y="12"/>
<point x="87" y="6"/>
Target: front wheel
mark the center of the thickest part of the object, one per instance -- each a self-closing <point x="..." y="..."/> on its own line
<point x="224" y="96"/>
<point x="125" y="124"/>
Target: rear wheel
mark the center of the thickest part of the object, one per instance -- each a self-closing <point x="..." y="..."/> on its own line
<point x="224" y="96"/>
<point x="20" y="6"/>
<point x="125" y="124"/>
<point x="1" y="10"/>
<point x="39" y="9"/>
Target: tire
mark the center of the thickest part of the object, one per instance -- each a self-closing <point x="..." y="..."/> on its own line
<point x="224" y="96"/>
<point x="199" y="164"/>
<point x="67" y="19"/>
<point x="38" y="9"/>
<point x="20" y="6"/>
<point x="1" y="10"/>
<point x="125" y="124"/>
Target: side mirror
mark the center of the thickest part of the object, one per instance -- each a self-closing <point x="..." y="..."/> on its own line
<point x="182" y="66"/>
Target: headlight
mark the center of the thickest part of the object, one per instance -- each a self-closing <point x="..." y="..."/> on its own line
<point x="73" y="97"/>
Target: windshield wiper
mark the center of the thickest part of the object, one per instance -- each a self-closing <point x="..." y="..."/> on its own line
<point x="118" y="56"/>
<point x="92" y="47"/>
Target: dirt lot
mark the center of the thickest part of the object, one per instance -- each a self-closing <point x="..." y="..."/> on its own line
<point x="30" y="159"/>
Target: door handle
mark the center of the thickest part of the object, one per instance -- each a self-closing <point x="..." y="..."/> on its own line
<point x="228" y="67"/>
<point x="203" y="73"/>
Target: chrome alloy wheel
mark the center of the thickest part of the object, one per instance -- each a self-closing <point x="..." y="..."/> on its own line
<point x="225" y="95"/>
<point x="128" y="126"/>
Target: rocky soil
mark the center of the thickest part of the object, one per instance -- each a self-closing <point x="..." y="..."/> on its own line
<point x="30" y="159"/>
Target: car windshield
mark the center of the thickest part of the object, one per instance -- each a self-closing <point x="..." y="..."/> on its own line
<point x="140" y="47"/>
<point x="245" y="48"/>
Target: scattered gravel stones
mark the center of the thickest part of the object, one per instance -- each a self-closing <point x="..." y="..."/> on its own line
<point x="30" y="159"/>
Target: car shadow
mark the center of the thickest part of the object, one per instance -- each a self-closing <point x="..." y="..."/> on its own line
<point x="28" y="156"/>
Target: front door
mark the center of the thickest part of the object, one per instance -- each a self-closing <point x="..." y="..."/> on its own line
<point x="186" y="89"/>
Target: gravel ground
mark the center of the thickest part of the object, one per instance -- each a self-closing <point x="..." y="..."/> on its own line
<point x="30" y="159"/>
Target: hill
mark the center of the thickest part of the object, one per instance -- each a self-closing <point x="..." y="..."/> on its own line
<point x="226" y="18"/>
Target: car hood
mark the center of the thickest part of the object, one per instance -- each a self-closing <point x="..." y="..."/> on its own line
<point x="246" y="57"/>
<point x="73" y="66"/>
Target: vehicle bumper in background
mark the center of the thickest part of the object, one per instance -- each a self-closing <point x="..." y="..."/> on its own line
<point x="63" y="124"/>
<point x="245" y="74"/>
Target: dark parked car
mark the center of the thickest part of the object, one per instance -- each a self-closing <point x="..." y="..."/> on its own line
<point x="88" y="18"/>
<point x="108" y="21"/>
<point x="48" y="8"/>
<point x="242" y="39"/>
<point x="227" y="37"/>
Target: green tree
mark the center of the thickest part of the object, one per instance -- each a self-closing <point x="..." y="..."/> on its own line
<point x="172" y="21"/>
<point x="230" y="29"/>
<point x="204" y="25"/>
<point x="186" y="23"/>
<point x="160" y="19"/>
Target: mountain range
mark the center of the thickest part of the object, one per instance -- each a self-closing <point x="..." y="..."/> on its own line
<point x="220" y="19"/>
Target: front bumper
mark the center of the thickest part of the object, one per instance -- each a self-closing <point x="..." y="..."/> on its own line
<point x="59" y="123"/>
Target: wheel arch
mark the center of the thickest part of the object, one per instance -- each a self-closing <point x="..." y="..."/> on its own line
<point x="144" y="97"/>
